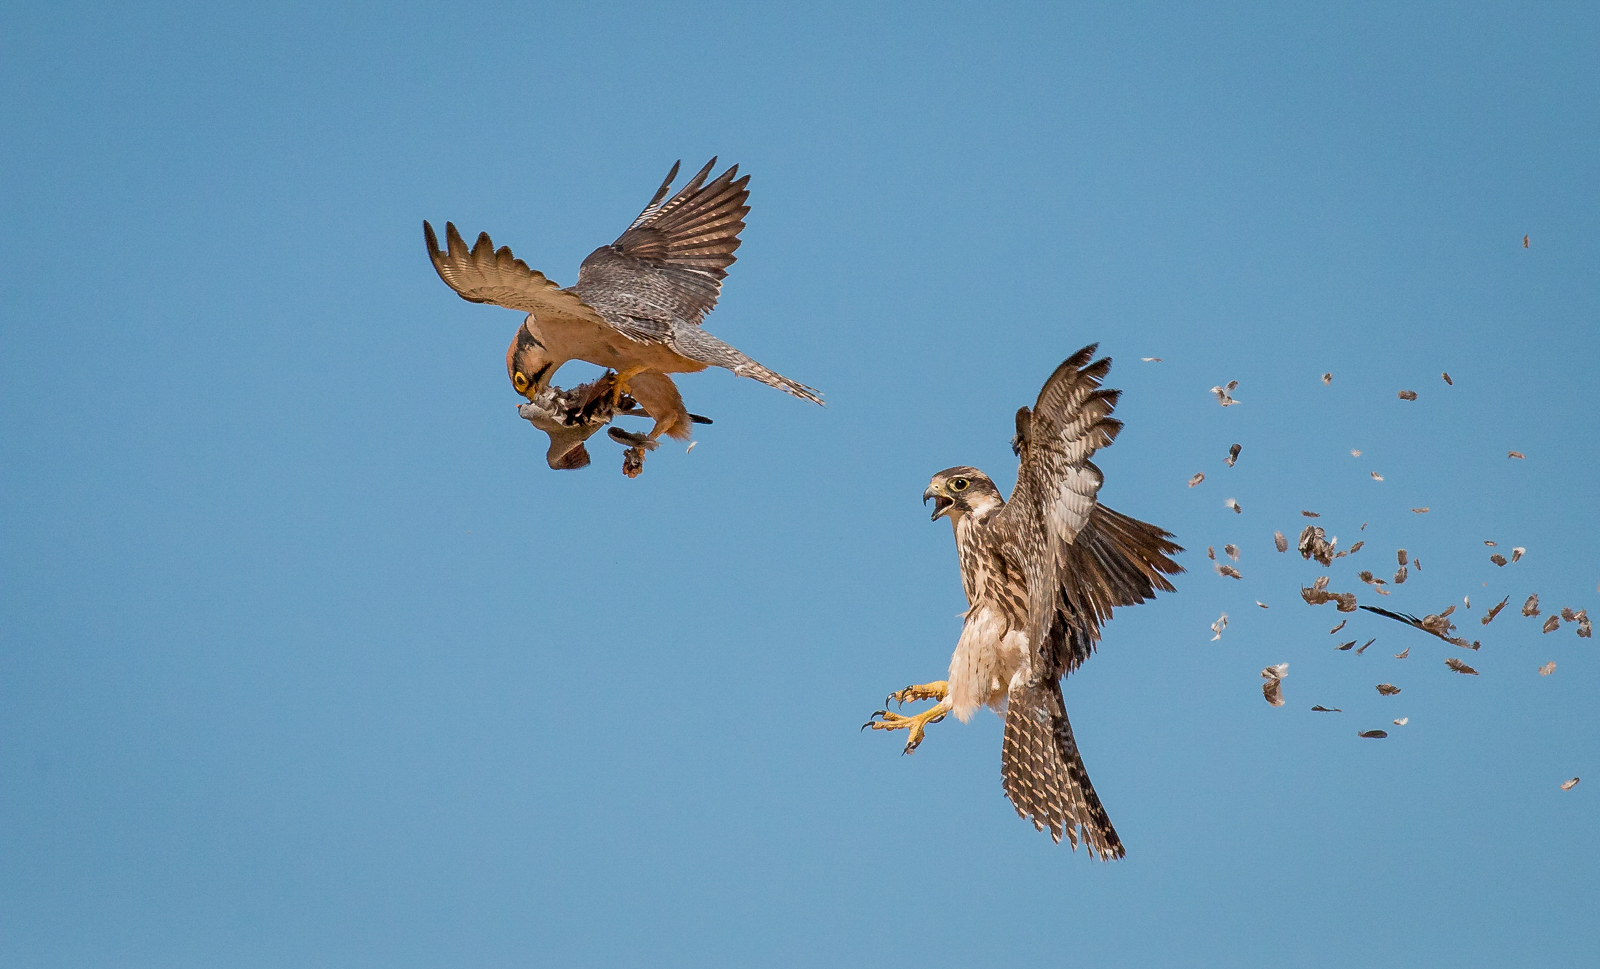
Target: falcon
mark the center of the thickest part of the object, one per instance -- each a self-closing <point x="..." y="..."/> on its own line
<point x="1041" y="573"/>
<point x="636" y="309"/>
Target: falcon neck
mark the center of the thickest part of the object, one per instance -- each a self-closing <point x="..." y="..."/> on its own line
<point x="964" y="522"/>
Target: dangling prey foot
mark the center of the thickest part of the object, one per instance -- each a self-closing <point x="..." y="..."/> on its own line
<point x="915" y="726"/>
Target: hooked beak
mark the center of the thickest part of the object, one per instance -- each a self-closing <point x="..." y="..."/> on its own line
<point x="941" y="504"/>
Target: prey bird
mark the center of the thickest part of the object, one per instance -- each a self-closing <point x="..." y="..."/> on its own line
<point x="1041" y="573"/>
<point x="636" y="309"/>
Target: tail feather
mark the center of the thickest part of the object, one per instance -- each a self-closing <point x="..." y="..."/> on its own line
<point x="697" y="344"/>
<point x="1044" y="775"/>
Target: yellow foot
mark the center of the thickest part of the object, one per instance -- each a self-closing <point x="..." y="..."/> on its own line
<point x="937" y="690"/>
<point x="915" y="726"/>
<point x="620" y="388"/>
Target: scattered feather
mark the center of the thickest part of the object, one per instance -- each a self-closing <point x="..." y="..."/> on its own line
<point x="1211" y="553"/>
<point x="1516" y="454"/>
<point x="1233" y="454"/>
<point x="1387" y="689"/>
<point x="1498" y="559"/>
<point x="1272" y="689"/>
<point x="1552" y="624"/>
<point x="1345" y="646"/>
<point x="1218" y="626"/>
<point x="1401" y="722"/>
<point x="1223" y="393"/>
<point x="1279" y="541"/>
<point x="1262" y="604"/>
<point x="1327" y="378"/>
<point x="1495" y="611"/>
<point x="1234" y="504"/>
<point x="1316" y="597"/>
<point x="1408" y="395"/>
<point x="1228" y="571"/>
<point x="1199" y="477"/>
<point x="1364" y="645"/>
<point x="1547" y="668"/>
<point x="1373" y="734"/>
<point x="1531" y="607"/>
<point x="1233" y="551"/>
<point x="1310" y="514"/>
<point x="1518" y="553"/>
<point x="1319" y="708"/>
<point x="1435" y="625"/>
<point x="1460" y="667"/>
<point x="1447" y="379"/>
<point x="1355" y="452"/>
<point x="1565" y="785"/>
<point x="1376" y="476"/>
<point x="1403" y="653"/>
<point x="1421" y="511"/>
<point x="1314" y="544"/>
<point x="1151" y="359"/>
<point x="1338" y="627"/>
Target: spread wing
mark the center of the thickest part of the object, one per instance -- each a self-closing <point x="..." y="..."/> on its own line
<point x="670" y="263"/>
<point x="1081" y="558"/>
<point x="484" y="274"/>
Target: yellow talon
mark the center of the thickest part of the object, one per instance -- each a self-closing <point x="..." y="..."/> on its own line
<point x="620" y="386"/>
<point x="937" y="690"/>
<point x="915" y="726"/>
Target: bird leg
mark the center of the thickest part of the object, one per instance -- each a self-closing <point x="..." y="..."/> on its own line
<point x="621" y="386"/>
<point x="916" y="725"/>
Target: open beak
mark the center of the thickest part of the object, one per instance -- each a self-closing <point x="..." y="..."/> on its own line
<point x="941" y="504"/>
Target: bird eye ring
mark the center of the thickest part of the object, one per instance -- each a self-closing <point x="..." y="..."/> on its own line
<point x="959" y="484"/>
<point x="519" y="380"/>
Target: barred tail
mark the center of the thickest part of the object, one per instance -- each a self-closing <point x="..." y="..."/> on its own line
<point x="697" y="344"/>
<point x="1044" y="776"/>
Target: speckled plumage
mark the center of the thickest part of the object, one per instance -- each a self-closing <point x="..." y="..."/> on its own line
<point x="1042" y="573"/>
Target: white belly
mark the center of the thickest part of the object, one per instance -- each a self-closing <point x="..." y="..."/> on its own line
<point x="986" y="657"/>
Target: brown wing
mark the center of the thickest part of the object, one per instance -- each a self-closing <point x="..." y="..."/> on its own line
<point x="1081" y="559"/>
<point x="1116" y="561"/>
<point x="484" y="274"/>
<point x="670" y="263"/>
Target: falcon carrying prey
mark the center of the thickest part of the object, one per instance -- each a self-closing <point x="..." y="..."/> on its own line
<point x="636" y="309"/>
<point x="1041" y="573"/>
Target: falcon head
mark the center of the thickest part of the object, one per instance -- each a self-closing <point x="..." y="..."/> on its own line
<point x="528" y="363"/>
<point x="961" y="491"/>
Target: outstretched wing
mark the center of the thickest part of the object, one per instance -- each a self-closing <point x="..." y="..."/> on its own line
<point x="1081" y="560"/>
<point x="670" y="263"/>
<point x="484" y="274"/>
<point x="1057" y="485"/>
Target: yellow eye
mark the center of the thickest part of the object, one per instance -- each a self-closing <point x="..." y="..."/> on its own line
<point x="520" y="381"/>
<point x="959" y="484"/>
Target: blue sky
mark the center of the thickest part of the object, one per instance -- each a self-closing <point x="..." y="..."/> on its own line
<point x="306" y="658"/>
